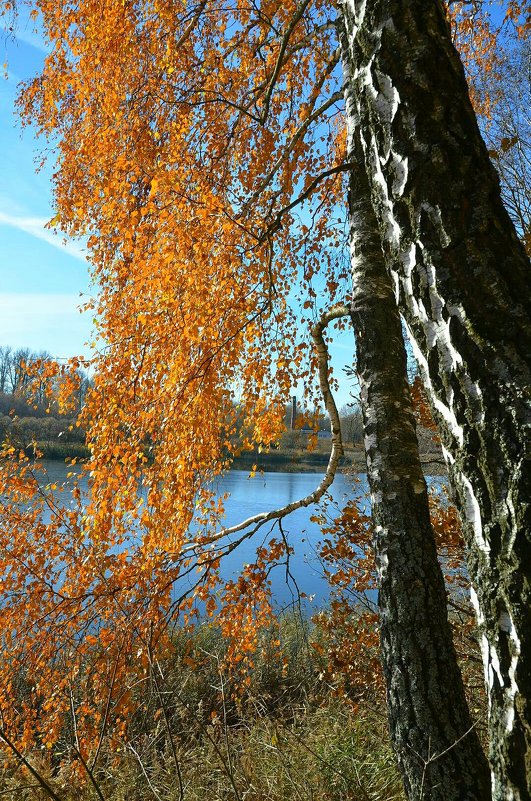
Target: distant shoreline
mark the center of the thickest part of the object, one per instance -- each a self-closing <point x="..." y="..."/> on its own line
<point x="354" y="461"/>
<point x="272" y="461"/>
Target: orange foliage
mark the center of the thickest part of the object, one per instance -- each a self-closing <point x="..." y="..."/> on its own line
<point x="350" y="624"/>
<point x="200" y="149"/>
<point x="422" y="409"/>
<point x="482" y="43"/>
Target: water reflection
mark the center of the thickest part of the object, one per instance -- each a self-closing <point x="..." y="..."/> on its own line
<point x="264" y="492"/>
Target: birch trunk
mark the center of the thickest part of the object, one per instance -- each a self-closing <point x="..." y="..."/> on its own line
<point x="461" y="278"/>
<point x="437" y="747"/>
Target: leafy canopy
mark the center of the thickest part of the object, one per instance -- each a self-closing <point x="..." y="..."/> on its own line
<point x="201" y="150"/>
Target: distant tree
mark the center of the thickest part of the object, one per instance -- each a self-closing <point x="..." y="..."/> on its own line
<point x="508" y="136"/>
<point x="189" y="140"/>
<point x="5" y="362"/>
<point x="352" y="424"/>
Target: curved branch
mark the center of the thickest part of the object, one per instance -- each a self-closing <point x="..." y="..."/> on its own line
<point x="191" y="25"/>
<point x="321" y="350"/>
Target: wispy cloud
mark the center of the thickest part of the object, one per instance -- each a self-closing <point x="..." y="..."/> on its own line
<point x="44" y="322"/>
<point x="33" y="303"/>
<point x="32" y="38"/>
<point x="35" y="226"/>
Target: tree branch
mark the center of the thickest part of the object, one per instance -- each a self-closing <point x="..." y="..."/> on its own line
<point x="36" y="775"/>
<point x="275" y="225"/>
<point x="336" y="312"/>
<point x="280" y="59"/>
<point x="335" y="98"/>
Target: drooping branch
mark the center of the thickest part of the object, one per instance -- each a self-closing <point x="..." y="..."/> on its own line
<point x="321" y="351"/>
<point x="312" y="186"/>
<point x="42" y="783"/>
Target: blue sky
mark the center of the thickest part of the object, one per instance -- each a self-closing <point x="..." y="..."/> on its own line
<point x="43" y="279"/>
<point x="41" y="276"/>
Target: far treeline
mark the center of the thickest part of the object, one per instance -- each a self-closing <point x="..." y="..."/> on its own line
<point x="30" y="416"/>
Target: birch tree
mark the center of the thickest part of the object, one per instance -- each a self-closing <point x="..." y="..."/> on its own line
<point x="189" y="139"/>
<point x="461" y="280"/>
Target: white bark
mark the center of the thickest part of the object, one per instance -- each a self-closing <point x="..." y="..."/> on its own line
<point x="462" y="282"/>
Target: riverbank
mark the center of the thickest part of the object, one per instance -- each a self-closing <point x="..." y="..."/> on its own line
<point x="316" y="462"/>
<point x="274" y="461"/>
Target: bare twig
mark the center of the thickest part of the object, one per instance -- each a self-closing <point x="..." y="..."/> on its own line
<point x="156" y="667"/>
<point x="142" y="768"/>
<point x="77" y="749"/>
<point x="107" y="709"/>
<point x="43" y="784"/>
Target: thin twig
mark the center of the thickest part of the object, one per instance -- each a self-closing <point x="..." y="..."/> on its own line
<point x="135" y="752"/>
<point x="40" y="779"/>
<point x="176" y="762"/>
<point x="77" y="749"/>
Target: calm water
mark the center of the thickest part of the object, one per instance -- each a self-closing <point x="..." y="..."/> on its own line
<point x="261" y="494"/>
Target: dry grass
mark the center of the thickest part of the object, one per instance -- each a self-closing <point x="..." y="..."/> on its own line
<point x="286" y="738"/>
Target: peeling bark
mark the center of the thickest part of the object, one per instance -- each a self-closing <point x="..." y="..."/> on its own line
<point x="461" y="279"/>
<point x="438" y="750"/>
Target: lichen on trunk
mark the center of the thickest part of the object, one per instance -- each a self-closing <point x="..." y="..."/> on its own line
<point x="434" y="737"/>
<point x="461" y="279"/>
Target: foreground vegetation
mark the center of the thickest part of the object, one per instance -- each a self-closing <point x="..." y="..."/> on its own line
<point x="302" y="729"/>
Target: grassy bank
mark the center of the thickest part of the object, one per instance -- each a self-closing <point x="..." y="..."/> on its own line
<point x="193" y="737"/>
<point x="273" y="462"/>
<point x="283" y="460"/>
<point x="60" y="451"/>
<point x="301" y="461"/>
<point x="295" y="461"/>
<point x="299" y="732"/>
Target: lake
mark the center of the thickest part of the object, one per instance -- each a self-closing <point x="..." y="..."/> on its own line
<point x="264" y="492"/>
